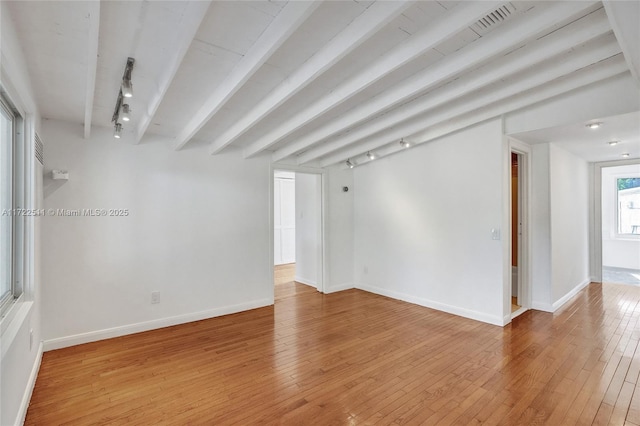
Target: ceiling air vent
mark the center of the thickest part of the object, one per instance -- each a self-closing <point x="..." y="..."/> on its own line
<point x="39" y="150"/>
<point x="493" y="19"/>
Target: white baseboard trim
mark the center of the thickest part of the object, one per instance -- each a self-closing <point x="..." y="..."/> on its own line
<point x="31" y="384"/>
<point x="93" y="336"/>
<point x="564" y="299"/>
<point x="455" y="310"/>
<point x="541" y="306"/>
<point x="305" y="281"/>
<point x="339" y="287"/>
<point x="506" y="319"/>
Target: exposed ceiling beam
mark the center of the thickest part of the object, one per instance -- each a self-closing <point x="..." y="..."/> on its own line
<point x="557" y="78"/>
<point x="452" y="22"/>
<point x="192" y="17"/>
<point x="92" y="63"/>
<point x="504" y="67"/>
<point x="280" y="29"/>
<point x="476" y="117"/>
<point x="624" y="17"/>
<point x="362" y="28"/>
<point x="511" y="35"/>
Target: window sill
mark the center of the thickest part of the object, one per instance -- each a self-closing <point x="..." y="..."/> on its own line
<point x="623" y="238"/>
<point x="627" y="238"/>
<point x="12" y="321"/>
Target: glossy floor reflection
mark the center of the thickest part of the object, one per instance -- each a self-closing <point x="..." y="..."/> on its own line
<point x="620" y="275"/>
<point x="358" y="358"/>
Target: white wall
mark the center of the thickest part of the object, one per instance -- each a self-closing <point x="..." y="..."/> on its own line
<point x="423" y="221"/>
<point x="339" y="229"/>
<point x="540" y="228"/>
<point x="197" y="231"/>
<point x="619" y="252"/>
<point x="20" y="358"/>
<point x="569" y="200"/>
<point x="308" y="228"/>
<point x="560" y="226"/>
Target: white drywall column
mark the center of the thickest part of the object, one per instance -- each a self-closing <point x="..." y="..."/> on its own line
<point x="308" y="228"/>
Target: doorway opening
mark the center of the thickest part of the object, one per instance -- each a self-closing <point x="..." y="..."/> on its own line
<point x="515" y="232"/>
<point x="620" y="221"/>
<point x="297" y="233"/>
<point x="519" y="290"/>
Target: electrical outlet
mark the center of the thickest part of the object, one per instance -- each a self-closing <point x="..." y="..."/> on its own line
<point x="155" y="297"/>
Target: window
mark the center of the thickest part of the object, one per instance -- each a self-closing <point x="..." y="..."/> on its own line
<point x="628" y="206"/>
<point x="10" y="123"/>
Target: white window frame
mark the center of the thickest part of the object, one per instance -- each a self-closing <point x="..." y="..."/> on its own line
<point x="17" y="202"/>
<point x="617" y="234"/>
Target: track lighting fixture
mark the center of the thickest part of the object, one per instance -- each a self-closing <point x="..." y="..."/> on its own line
<point x="594" y="125"/>
<point x="127" y="89"/>
<point x="613" y="143"/>
<point x="626" y="155"/>
<point x="371" y="155"/>
<point x="127" y="86"/>
<point x="404" y="143"/>
<point x="117" y="132"/>
<point x="350" y="164"/>
<point x="122" y="111"/>
<point x="125" y="113"/>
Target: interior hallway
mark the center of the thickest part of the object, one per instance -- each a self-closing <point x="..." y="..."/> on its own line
<point x="355" y="357"/>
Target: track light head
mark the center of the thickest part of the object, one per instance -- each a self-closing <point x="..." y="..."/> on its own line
<point x="127" y="88"/>
<point x="350" y="164"/>
<point x="371" y="155"/>
<point x="117" y="132"/>
<point x="125" y="114"/>
<point x="594" y="125"/>
<point x="404" y="143"/>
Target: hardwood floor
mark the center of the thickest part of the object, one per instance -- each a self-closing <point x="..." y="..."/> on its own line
<point x="358" y="358"/>
<point x="283" y="274"/>
<point x="514" y="304"/>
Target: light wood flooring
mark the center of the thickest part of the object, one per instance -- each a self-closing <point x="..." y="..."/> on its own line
<point x="355" y="358"/>
<point x="284" y="274"/>
<point x="514" y="304"/>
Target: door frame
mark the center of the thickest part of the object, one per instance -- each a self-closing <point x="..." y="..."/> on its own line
<point x="282" y="181"/>
<point x="524" y="242"/>
<point x="595" y="228"/>
<point x="322" y="270"/>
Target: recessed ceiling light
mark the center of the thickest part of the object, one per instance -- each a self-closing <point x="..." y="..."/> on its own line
<point x="594" y="125"/>
<point x="613" y="143"/>
<point x="625" y="155"/>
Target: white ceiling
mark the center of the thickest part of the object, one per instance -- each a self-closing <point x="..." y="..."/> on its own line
<point x="312" y="82"/>
<point x="593" y="144"/>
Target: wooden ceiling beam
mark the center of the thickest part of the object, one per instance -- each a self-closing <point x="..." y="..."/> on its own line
<point x="555" y="79"/>
<point x="451" y="23"/>
<point x="522" y="60"/>
<point x="361" y="29"/>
